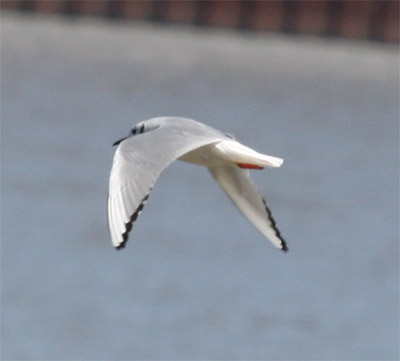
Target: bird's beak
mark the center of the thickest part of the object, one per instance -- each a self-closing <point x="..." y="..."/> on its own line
<point x="119" y="141"/>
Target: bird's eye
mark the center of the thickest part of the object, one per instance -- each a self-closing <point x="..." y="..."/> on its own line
<point x="133" y="130"/>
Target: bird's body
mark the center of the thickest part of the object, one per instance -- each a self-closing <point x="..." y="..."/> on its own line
<point x="228" y="153"/>
<point x="153" y="144"/>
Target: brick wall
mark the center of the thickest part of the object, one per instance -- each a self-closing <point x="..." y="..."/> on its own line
<point x="376" y="20"/>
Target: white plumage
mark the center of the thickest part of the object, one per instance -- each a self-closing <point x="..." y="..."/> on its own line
<point x="155" y="143"/>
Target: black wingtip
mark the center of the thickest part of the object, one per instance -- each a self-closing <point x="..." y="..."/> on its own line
<point x="125" y="235"/>
<point x="284" y="247"/>
<point x="128" y="226"/>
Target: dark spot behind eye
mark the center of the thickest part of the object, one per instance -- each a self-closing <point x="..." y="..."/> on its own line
<point x="137" y="130"/>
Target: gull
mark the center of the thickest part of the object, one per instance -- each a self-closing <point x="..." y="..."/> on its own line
<point x="153" y="144"/>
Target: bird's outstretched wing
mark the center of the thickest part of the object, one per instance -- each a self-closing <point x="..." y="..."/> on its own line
<point x="240" y="189"/>
<point x="138" y="162"/>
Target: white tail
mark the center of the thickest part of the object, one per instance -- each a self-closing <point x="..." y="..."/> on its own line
<point x="239" y="153"/>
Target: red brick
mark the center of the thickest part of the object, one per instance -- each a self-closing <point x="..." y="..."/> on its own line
<point x="268" y="15"/>
<point x="355" y="19"/>
<point x="49" y="6"/>
<point x="391" y="26"/>
<point x="311" y="17"/>
<point x="223" y="13"/>
<point x="9" y="4"/>
<point x="136" y="9"/>
<point x="92" y="7"/>
<point x="181" y="11"/>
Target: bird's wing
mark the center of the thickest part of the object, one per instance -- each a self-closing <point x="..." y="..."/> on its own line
<point x="240" y="189"/>
<point x="138" y="162"/>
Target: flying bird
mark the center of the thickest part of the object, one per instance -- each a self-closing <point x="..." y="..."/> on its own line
<point x="153" y="144"/>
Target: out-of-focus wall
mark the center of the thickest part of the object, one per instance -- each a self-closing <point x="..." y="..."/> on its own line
<point x="365" y="19"/>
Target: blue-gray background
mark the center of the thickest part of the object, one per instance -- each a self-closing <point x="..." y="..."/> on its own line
<point x="196" y="280"/>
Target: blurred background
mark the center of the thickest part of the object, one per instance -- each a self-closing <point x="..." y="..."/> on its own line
<point x="365" y="19"/>
<point x="316" y="83"/>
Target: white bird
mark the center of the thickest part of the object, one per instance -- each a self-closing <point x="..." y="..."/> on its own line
<point x="155" y="143"/>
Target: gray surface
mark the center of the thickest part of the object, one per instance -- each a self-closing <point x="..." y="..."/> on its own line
<point x="196" y="281"/>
